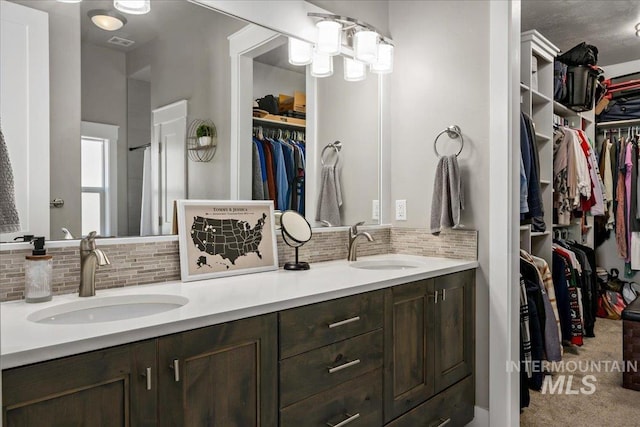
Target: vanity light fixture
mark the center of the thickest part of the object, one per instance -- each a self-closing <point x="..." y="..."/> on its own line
<point x="133" y="7"/>
<point x="638" y="29"/>
<point x="384" y="63"/>
<point x="300" y="52"/>
<point x="354" y="70"/>
<point x="69" y="1"/>
<point x="321" y="65"/>
<point x="108" y="20"/>
<point x="360" y="43"/>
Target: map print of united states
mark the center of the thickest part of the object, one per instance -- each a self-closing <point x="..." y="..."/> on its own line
<point x="229" y="238"/>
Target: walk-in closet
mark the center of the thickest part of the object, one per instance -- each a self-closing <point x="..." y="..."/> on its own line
<point x="579" y="215"/>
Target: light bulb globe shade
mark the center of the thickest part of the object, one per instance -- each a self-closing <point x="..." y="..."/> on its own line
<point x="329" y="37"/>
<point x="354" y="71"/>
<point x="365" y="46"/>
<point x="108" y="20"/>
<point x="322" y="65"/>
<point x="300" y="52"/>
<point x="133" y="7"/>
<point x="384" y="64"/>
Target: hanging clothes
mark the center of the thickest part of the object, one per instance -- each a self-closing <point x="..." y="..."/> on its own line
<point x="531" y="163"/>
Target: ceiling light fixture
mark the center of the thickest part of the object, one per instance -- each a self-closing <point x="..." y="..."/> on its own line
<point x="133" y="7"/>
<point x="108" y="20"/>
<point x="359" y="42"/>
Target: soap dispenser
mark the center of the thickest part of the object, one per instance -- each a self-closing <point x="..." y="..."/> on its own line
<point x="38" y="270"/>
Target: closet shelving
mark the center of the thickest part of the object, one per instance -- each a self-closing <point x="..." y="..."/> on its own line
<point x="536" y="100"/>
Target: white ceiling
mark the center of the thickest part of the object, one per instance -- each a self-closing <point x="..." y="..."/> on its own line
<point x="606" y="24"/>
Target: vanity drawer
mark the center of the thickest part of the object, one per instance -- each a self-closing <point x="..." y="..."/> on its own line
<point x="318" y="370"/>
<point x="359" y="399"/>
<point x="305" y="328"/>
<point x="452" y="407"/>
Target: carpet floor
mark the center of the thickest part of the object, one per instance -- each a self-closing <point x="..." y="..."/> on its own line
<point x="609" y="405"/>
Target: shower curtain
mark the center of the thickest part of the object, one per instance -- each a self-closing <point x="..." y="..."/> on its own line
<point x="145" y="210"/>
<point x="9" y="220"/>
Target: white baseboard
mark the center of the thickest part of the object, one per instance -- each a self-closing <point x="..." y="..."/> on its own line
<point x="480" y="418"/>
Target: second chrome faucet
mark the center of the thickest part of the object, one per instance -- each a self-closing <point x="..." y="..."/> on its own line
<point x="353" y="241"/>
<point x="90" y="258"/>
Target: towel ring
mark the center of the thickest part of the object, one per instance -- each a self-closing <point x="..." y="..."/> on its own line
<point x="337" y="146"/>
<point x="453" y="132"/>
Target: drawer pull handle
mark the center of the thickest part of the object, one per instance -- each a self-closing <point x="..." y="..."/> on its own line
<point x="344" y="322"/>
<point x="343" y="366"/>
<point x="444" y="295"/>
<point x="147" y="375"/>
<point x="176" y="370"/>
<point x="345" y="422"/>
<point x="443" y="422"/>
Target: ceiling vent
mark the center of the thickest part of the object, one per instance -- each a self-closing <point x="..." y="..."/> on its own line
<point x="119" y="41"/>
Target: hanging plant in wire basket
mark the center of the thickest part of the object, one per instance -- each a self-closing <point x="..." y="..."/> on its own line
<point x="202" y="140"/>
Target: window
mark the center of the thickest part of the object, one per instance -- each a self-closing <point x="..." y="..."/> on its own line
<point x="98" y="178"/>
<point x="94" y="155"/>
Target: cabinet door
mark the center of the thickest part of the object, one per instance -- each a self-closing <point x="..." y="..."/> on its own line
<point x="454" y="328"/>
<point x="409" y="342"/>
<point x="223" y="375"/>
<point x="101" y="388"/>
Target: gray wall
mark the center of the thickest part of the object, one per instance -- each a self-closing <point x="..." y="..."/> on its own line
<point x="440" y="78"/>
<point x="192" y="62"/>
<point x="348" y="112"/>
<point x="270" y="80"/>
<point x="64" y="70"/>
<point x="104" y="100"/>
<point x="138" y="133"/>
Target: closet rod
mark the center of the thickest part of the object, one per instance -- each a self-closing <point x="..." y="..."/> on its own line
<point x="618" y="123"/>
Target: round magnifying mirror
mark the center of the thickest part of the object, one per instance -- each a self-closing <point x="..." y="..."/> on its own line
<point x="295" y="226"/>
<point x="296" y="231"/>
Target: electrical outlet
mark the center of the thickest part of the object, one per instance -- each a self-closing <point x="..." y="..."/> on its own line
<point x="401" y="210"/>
<point x="375" y="209"/>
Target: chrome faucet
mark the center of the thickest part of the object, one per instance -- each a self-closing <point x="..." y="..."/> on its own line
<point x="90" y="259"/>
<point x="353" y="237"/>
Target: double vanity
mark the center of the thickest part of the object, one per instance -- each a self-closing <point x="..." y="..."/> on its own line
<point x="387" y="340"/>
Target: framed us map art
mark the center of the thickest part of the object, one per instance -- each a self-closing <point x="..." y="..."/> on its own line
<point x="223" y="238"/>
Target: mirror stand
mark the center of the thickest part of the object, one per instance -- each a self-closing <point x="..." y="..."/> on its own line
<point x="297" y="265"/>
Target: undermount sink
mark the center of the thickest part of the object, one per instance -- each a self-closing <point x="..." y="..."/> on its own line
<point x="386" y="264"/>
<point x="107" y="309"/>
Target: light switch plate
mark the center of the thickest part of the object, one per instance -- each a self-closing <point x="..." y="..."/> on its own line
<point x="401" y="210"/>
<point x="375" y="209"/>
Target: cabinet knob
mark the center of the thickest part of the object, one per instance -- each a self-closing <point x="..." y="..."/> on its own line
<point x="176" y="369"/>
<point x="349" y="419"/>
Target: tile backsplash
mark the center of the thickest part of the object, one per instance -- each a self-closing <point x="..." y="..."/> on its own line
<point x="138" y="264"/>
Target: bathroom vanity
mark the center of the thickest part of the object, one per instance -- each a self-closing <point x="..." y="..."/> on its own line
<point x="388" y="342"/>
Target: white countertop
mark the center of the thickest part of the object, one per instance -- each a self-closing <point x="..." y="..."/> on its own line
<point x="211" y="302"/>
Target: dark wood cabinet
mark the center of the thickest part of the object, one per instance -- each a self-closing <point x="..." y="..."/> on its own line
<point x="429" y="333"/>
<point x="223" y="375"/>
<point x="101" y="388"/>
<point x="403" y="356"/>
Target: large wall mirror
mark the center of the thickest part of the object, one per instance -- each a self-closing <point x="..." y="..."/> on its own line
<point x="122" y="100"/>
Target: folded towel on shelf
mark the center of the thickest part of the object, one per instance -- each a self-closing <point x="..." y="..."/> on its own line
<point x="9" y="219"/>
<point x="330" y="197"/>
<point x="448" y="198"/>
